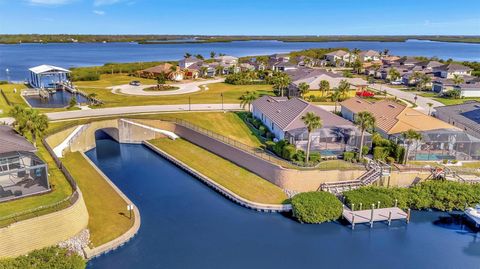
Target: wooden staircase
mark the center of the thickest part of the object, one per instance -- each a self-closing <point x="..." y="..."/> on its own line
<point x="373" y="174"/>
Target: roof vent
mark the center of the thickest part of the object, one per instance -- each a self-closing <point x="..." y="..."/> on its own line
<point x="392" y="106"/>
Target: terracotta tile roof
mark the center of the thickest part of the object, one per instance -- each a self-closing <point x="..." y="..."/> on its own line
<point x="11" y="141"/>
<point x="393" y="118"/>
<point x="162" y="68"/>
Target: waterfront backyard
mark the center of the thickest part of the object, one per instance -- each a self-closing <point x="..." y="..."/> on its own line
<point x="212" y="232"/>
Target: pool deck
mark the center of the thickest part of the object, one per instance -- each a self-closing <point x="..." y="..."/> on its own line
<point x="375" y="215"/>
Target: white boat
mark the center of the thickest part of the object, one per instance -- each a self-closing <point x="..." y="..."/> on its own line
<point x="474" y="214"/>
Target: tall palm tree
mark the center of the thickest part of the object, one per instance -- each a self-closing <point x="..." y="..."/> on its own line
<point x="187" y="55"/>
<point x="430" y="105"/>
<point x="365" y="121"/>
<point x="247" y="99"/>
<point x="386" y="51"/>
<point x="424" y="81"/>
<point x="344" y="88"/>
<point x="212" y="54"/>
<point x="324" y="86"/>
<point x="335" y="96"/>
<point x="457" y="79"/>
<point x="409" y="137"/>
<point x="303" y="88"/>
<point x="199" y="56"/>
<point x="312" y="122"/>
<point x="281" y="82"/>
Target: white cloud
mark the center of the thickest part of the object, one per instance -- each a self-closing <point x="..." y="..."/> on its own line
<point x="49" y="2"/>
<point x="105" y="2"/>
<point x="99" y="12"/>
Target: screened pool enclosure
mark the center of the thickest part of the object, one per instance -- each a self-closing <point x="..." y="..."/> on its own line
<point x="444" y="144"/>
<point x="22" y="174"/>
<point x="329" y="141"/>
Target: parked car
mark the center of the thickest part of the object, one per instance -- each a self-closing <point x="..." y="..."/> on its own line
<point x="135" y="83"/>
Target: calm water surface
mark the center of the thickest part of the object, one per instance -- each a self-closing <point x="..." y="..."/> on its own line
<point x="19" y="57"/>
<point x="56" y="100"/>
<point x="187" y="225"/>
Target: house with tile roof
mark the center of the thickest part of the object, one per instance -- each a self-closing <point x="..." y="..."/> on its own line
<point x="313" y="79"/>
<point x="452" y="69"/>
<point x="339" y="57"/>
<point x="369" y="56"/>
<point x="283" y="117"/>
<point x="465" y="116"/>
<point x="440" y="140"/>
<point x="22" y="173"/>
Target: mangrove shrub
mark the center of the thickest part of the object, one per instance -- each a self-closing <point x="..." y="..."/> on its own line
<point x="316" y="207"/>
<point x="51" y="257"/>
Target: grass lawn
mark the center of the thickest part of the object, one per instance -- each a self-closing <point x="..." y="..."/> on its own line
<point x="446" y="101"/>
<point x="60" y="190"/>
<point x="108" y="80"/>
<point x="338" y="165"/>
<point x="107" y="210"/>
<point x="231" y="93"/>
<point x="14" y="98"/>
<point x="226" y="173"/>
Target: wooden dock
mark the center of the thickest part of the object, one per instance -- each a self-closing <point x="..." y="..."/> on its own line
<point x="375" y="215"/>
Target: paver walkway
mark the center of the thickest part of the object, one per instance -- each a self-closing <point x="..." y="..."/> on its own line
<point x="183" y="88"/>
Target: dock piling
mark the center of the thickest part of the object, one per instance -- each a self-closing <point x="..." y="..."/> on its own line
<point x="371" y="216"/>
<point x="360" y="206"/>
<point x="396" y="202"/>
<point x="389" y="218"/>
<point x="408" y="215"/>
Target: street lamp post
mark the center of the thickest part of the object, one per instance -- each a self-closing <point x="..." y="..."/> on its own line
<point x="222" y="99"/>
<point x="415" y="98"/>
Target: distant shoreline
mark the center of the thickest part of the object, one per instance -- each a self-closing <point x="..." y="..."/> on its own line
<point x="169" y="39"/>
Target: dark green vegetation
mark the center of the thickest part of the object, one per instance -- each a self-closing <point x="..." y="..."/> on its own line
<point x="316" y="207"/>
<point x="387" y="150"/>
<point x="51" y="258"/>
<point x="432" y="194"/>
<point x="168" y="39"/>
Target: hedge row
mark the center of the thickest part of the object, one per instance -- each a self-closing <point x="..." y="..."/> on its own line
<point x="316" y="207"/>
<point x="51" y="257"/>
<point x="438" y="195"/>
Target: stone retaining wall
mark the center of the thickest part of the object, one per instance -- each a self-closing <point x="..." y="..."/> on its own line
<point x="43" y="231"/>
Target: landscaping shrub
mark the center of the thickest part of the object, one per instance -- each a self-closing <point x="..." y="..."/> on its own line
<point x="288" y="152"/>
<point x="2" y="82"/>
<point x="365" y="150"/>
<point x="315" y="157"/>
<point x="269" y="145"/>
<point x="316" y="207"/>
<point x="348" y="156"/>
<point x="380" y="153"/>
<point x="390" y="160"/>
<point x="438" y="195"/>
<point x="51" y="257"/>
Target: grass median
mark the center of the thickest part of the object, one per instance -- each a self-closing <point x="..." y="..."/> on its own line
<point x="231" y="176"/>
<point x="108" y="215"/>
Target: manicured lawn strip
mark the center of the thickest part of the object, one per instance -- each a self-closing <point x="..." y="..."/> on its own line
<point x="231" y="93"/>
<point x="226" y="173"/>
<point x="447" y="101"/>
<point x="107" y="210"/>
<point x="60" y="190"/>
<point x="228" y="124"/>
<point x="108" y="80"/>
<point x="338" y="165"/>
<point x="14" y="98"/>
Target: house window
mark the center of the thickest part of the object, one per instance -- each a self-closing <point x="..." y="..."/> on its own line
<point x="273" y="126"/>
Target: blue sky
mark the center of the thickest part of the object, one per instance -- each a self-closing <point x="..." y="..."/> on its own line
<point x="247" y="17"/>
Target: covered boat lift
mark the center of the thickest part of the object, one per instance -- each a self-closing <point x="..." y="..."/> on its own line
<point x="48" y="76"/>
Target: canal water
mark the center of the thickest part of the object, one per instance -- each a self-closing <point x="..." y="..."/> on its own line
<point x="58" y="99"/>
<point x="185" y="224"/>
<point x="17" y="58"/>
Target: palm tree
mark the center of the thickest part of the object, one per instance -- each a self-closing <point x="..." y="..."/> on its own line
<point x="303" y="88"/>
<point x="281" y="82"/>
<point x="312" y="122"/>
<point x="324" y="86"/>
<point x="394" y="74"/>
<point x="457" y="79"/>
<point x="335" y="96"/>
<point x="429" y="107"/>
<point x="424" y="80"/>
<point x="386" y="51"/>
<point x="455" y="93"/>
<point x="212" y="54"/>
<point x="365" y="121"/>
<point x="91" y="97"/>
<point x="409" y="137"/>
<point x="199" y="56"/>
<point x="344" y="88"/>
<point x="187" y="55"/>
<point x="416" y="77"/>
<point x="247" y="99"/>
<point x="29" y="121"/>
<point x="203" y="71"/>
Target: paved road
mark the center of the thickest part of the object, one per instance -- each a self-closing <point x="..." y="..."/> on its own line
<point x="113" y="111"/>
<point x="184" y="88"/>
<point x="422" y="102"/>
